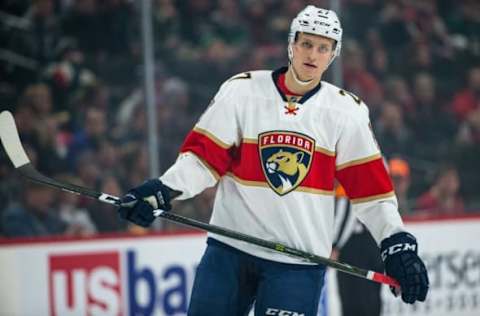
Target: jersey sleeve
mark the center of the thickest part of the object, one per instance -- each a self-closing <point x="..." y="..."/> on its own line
<point x="206" y="153"/>
<point x="362" y="172"/>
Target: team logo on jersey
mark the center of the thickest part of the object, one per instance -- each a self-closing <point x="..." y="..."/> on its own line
<point x="286" y="159"/>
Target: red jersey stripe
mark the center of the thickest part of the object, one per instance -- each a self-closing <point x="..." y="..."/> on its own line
<point x="245" y="164"/>
<point x="209" y="150"/>
<point x="320" y="176"/>
<point x="212" y="137"/>
<point x="366" y="181"/>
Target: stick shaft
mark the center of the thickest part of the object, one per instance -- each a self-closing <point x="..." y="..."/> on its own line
<point x="15" y="151"/>
<point x="31" y="173"/>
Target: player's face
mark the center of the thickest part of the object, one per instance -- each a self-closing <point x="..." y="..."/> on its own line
<point x="311" y="55"/>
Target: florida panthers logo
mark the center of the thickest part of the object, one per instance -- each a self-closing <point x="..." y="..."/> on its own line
<point x="288" y="167"/>
<point x="286" y="158"/>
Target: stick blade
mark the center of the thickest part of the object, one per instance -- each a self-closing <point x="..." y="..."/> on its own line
<point x="11" y="140"/>
<point x="382" y="278"/>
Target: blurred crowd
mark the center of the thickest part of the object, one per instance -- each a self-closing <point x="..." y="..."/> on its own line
<point x="71" y="72"/>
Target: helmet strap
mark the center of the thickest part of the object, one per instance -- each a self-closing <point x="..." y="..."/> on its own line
<point x="297" y="80"/>
<point x="294" y="72"/>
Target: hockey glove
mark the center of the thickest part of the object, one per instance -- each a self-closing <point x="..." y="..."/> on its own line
<point x="140" y="202"/>
<point x="399" y="253"/>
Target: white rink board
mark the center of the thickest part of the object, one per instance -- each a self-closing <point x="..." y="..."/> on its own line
<point x="100" y="276"/>
<point x="36" y="279"/>
<point x="451" y="250"/>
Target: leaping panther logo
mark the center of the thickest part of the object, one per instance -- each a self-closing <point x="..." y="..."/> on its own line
<point x="286" y="159"/>
<point x="288" y="167"/>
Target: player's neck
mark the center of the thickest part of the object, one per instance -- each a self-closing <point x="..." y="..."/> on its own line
<point x="296" y="87"/>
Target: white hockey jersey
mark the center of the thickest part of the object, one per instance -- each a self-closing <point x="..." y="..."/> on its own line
<point x="276" y="159"/>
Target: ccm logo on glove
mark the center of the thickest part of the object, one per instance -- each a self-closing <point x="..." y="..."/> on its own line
<point x="399" y="253"/>
<point x="398" y="248"/>
<point x="280" y="312"/>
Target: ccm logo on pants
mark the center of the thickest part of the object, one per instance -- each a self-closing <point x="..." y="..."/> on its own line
<point x="280" y="312"/>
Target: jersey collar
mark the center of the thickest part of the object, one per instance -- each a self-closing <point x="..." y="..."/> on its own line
<point x="304" y="98"/>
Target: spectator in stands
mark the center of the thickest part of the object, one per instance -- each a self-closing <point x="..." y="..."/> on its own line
<point x="357" y="78"/>
<point x="39" y="126"/>
<point x="90" y="136"/>
<point x="68" y="76"/>
<point x="464" y="23"/>
<point x="432" y="126"/>
<point x="398" y="91"/>
<point x="393" y="135"/>
<point x="83" y="23"/>
<point x="87" y="168"/>
<point x="132" y="127"/>
<point x="400" y="173"/>
<point x="38" y="97"/>
<point x="116" y="32"/>
<point x="43" y="41"/>
<point x="108" y="155"/>
<point x="359" y="17"/>
<point x="174" y="121"/>
<point x="420" y="59"/>
<point x="9" y="189"/>
<point x="77" y="218"/>
<point x="11" y="186"/>
<point x="469" y="130"/>
<point x="26" y="122"/>
<point x="276" y="24"/>
<point x="167" y="26"/>
<point x="468" y="99"/>
<point x="140" y="167"/>
<point x="379" y="61"/>
<point x="256" y="14"/>
<point x="467" y="153"/>
<point x="443" y="197"/>
<point x="103" y="215"/>
<point x="34" y="215"/>
<point x="50" y="149"/>
<point x="394" y="29"/>
<point x="427" y="26"/>
<point x="196" y="25"/>
<point x="229" y="24"/>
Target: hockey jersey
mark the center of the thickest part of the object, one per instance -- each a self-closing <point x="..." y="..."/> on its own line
<point x="275" y="160"/>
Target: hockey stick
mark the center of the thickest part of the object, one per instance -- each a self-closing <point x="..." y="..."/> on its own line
<point x="15" y="151"/>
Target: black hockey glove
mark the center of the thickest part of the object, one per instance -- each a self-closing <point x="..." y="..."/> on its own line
<point x="399" y="253"/>
<point x="140" y="202"/>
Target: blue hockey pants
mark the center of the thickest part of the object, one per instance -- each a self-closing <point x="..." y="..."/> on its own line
<point x="228" y="282"/>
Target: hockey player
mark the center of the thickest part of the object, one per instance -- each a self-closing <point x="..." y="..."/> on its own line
<point x="275" y="141"/>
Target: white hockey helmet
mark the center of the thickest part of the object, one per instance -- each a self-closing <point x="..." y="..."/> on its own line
<point x="316" y="21"/>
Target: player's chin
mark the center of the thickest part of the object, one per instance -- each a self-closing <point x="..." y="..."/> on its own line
<point x="310" y="73"/>
<point x="307" y="76"/>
